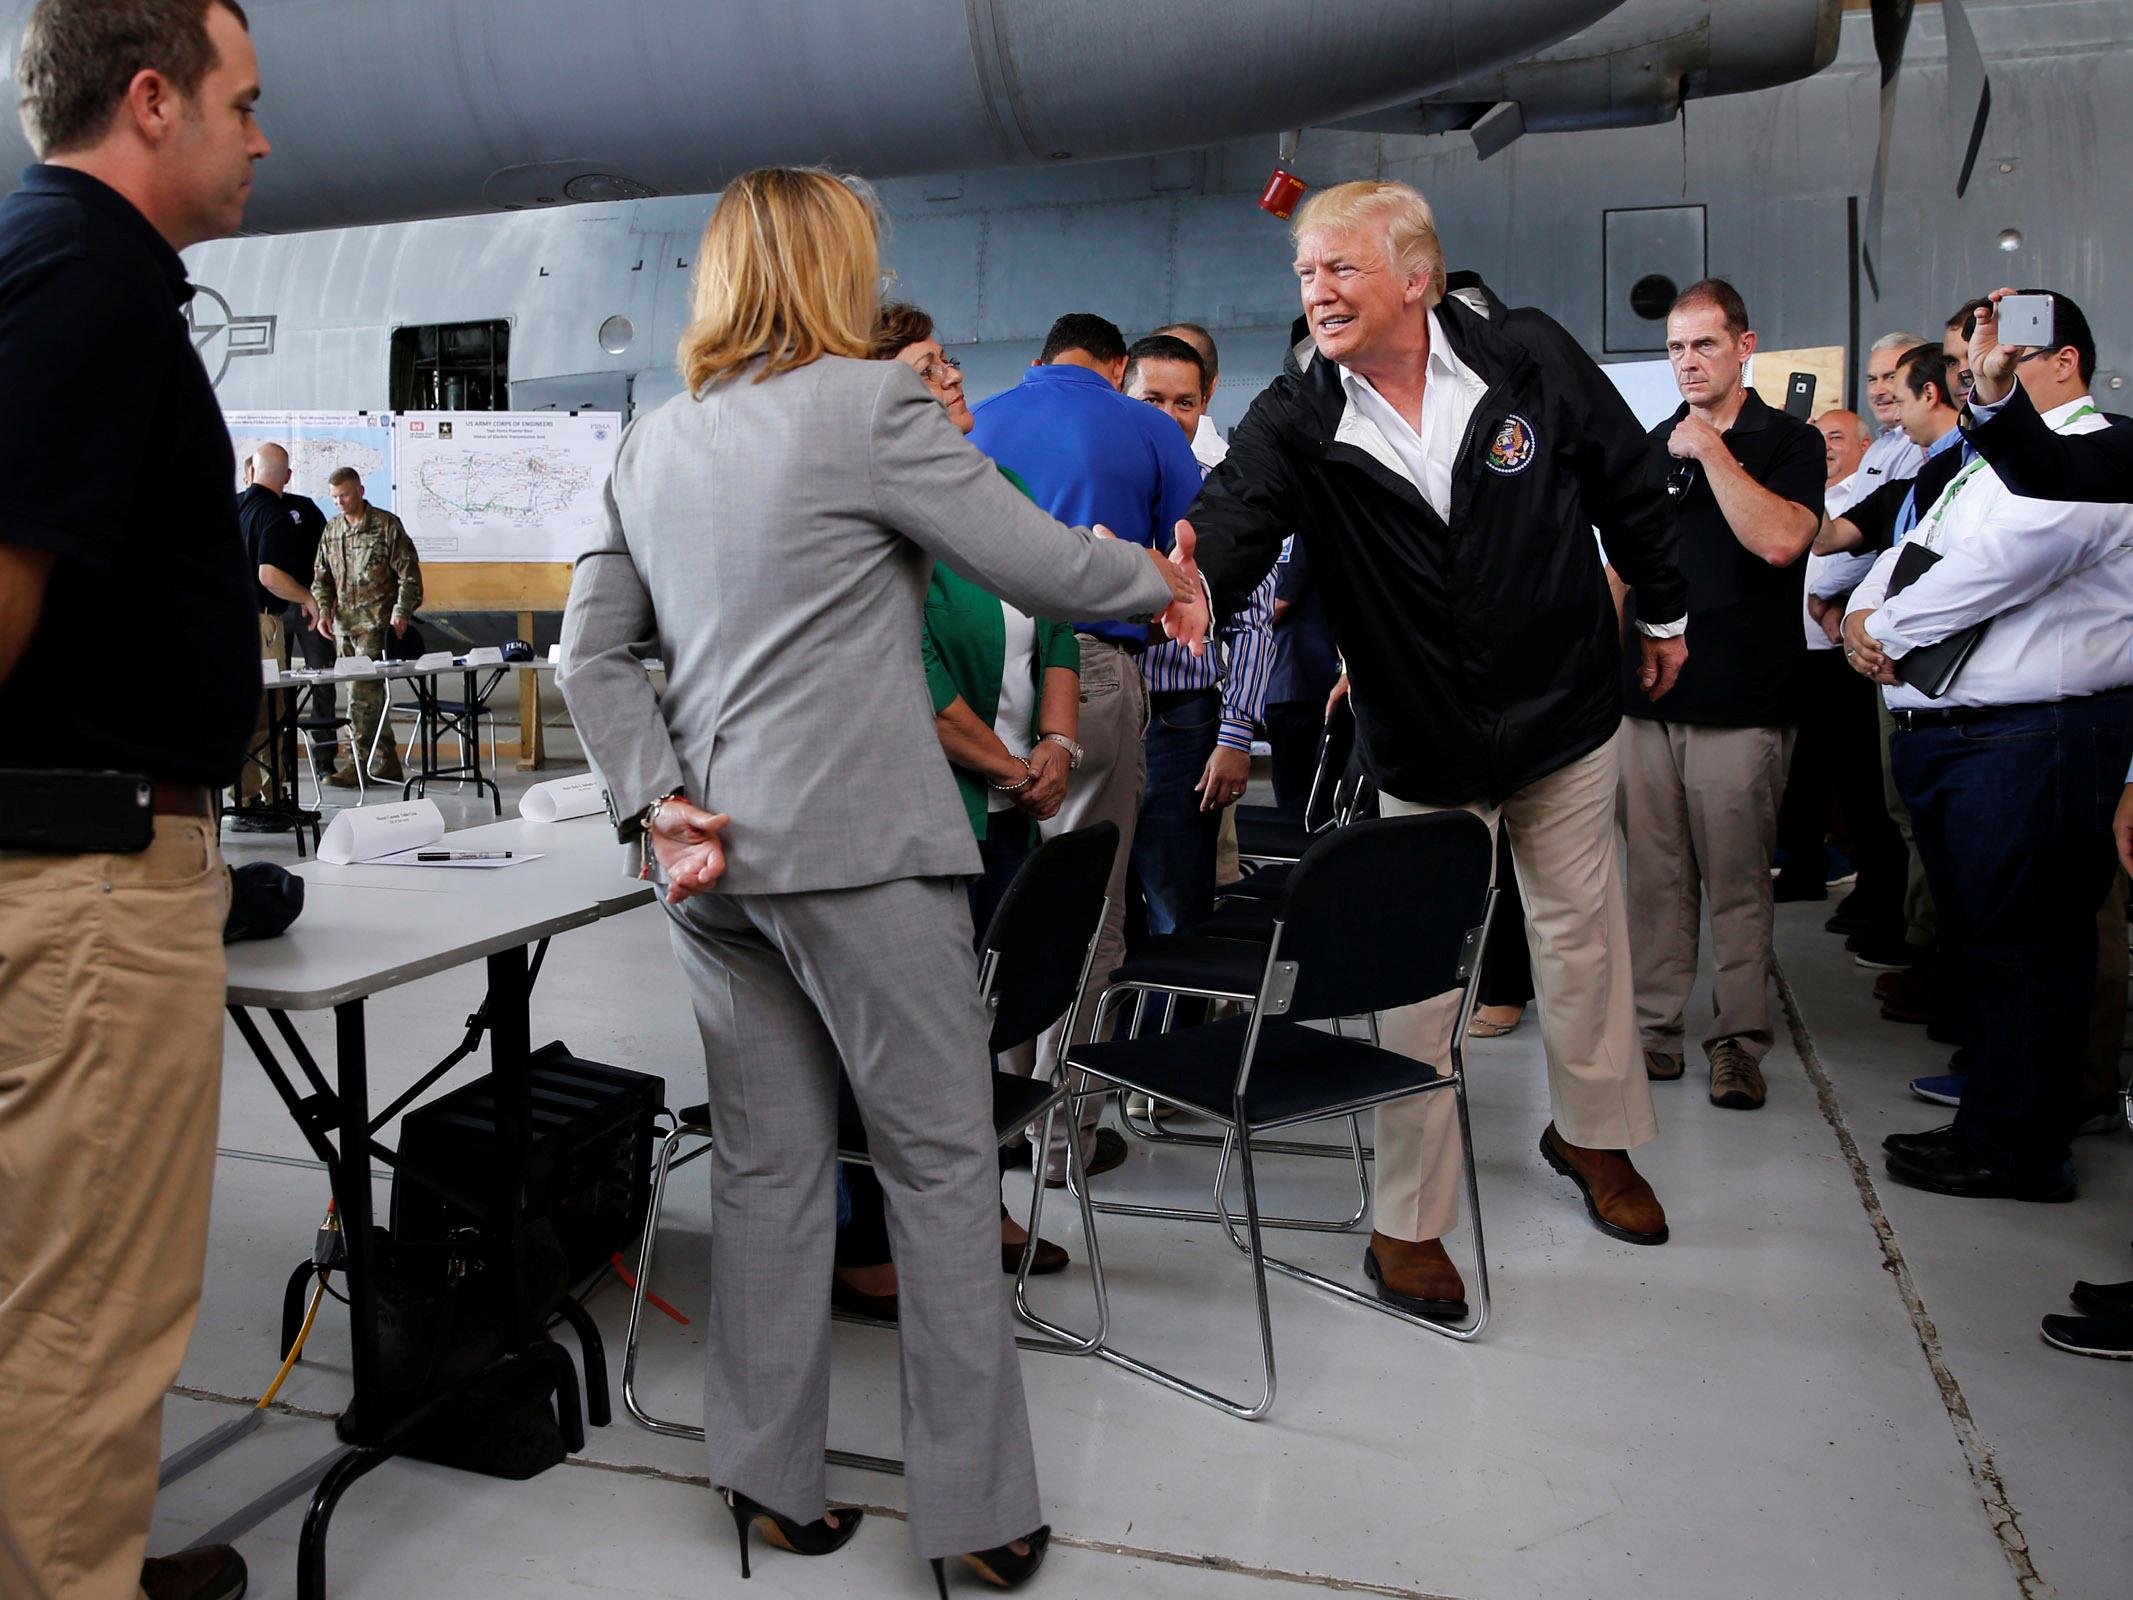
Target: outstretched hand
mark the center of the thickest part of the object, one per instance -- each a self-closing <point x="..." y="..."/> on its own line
<point x="686" y="840"/>
<point x="1189" y="618"/>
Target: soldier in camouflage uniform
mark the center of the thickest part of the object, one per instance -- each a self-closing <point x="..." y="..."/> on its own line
<point x="368" y="586"/>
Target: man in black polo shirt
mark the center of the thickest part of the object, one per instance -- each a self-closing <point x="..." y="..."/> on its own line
<point x="281" y="531"/>
<point x="1703" y="769"/>
<point x="111" y="967"/>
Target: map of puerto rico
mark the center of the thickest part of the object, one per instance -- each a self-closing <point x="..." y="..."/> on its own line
<point x="522" y="488"/>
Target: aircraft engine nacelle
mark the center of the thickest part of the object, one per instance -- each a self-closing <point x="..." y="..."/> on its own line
<point x="396" y="109"/>
<point x="1634" y="67"/>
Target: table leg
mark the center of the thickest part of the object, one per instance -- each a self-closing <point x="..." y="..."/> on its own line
<point x="510" y="1047"/>
<point x="360" y="1424"/>
<point x="532" y="747"/>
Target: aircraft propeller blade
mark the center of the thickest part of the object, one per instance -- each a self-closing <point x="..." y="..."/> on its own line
<point x="1892" y="27"/>
<point x="1969" y="107"/>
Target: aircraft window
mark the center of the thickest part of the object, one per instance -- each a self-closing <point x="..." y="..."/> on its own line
<point x="616" y="333"/>
<point x="452" y="366"/>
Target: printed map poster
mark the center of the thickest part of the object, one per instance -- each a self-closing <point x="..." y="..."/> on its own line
<point x="318" y="442"/>
<point x="503" y="485"/>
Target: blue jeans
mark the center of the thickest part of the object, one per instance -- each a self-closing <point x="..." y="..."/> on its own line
<point x="2012" y="816"/>
<point x="1174" y="840"/>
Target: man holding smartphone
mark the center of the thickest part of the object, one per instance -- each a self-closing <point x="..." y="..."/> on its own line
<point x="111" y="965"/>
<point x="2004" y="769"/>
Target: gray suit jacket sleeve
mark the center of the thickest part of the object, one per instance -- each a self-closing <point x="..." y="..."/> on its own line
<point x="934" y="489"/>
<point x="603" y="681"/>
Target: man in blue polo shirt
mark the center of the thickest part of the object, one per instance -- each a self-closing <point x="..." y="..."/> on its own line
<point x="1091" y="456"/>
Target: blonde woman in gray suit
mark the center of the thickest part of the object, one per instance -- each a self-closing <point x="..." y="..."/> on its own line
<point x="772" y="531"/>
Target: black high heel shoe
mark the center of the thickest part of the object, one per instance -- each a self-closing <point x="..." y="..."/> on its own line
<point x="816" y="1538"/>
<point x="1001" y="1567"/>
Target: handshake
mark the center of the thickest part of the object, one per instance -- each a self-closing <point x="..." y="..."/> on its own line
<point x="1189" y="617"/>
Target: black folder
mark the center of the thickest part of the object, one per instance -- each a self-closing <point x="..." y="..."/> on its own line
<point x="1930" y="668"/>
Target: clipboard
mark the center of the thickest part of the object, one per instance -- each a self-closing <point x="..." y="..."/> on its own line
<point x="1930" y="669"/>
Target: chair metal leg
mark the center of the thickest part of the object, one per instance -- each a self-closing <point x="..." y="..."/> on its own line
<point x="1248" y="1411"/>
<point x="1478" y="1301"/>
<point x="636" y="1408"/>
<point x="1063" y="1341"/>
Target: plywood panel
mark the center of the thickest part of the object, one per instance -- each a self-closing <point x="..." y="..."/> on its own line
<point x="1774" y="369"/>
<point x="495" y="585"/>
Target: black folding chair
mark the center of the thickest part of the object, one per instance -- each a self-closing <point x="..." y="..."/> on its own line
<point x="1377" y="915"/>
<point x="1269" y="837"/>
<point x="1032" y="970"/>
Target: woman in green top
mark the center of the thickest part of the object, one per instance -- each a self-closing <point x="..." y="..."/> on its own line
<point x="1006" y="705"/>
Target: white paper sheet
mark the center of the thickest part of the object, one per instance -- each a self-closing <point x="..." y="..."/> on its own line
<point x="348" y="664"/>
<point x="438" y="659"/>
<point x="561" y="798"/>
<point x="367" y="833"/>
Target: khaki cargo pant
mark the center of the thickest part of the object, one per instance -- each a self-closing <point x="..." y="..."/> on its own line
<point x="111" y="991"/>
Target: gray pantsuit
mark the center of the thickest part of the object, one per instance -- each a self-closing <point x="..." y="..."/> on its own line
<point x="788" y="988"/>
<point x="773" y="542"/>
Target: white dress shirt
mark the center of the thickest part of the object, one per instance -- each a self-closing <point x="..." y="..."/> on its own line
<point x="1424" y="456"/>
<point x="1837" y="499"/>
<point x="2055" y="579"/>
<point x="1891" y="458"/>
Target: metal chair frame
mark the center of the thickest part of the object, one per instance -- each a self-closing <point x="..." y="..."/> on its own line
<point x="318" y="789"/>
<point x="1345" y="808"/>
<point x="1356" y="1150"/>
<point x="1059" y="1341"/>
<point x="1277" y="984"/>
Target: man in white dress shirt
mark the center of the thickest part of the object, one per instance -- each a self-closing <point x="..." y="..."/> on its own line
<point x="2009" y="775"/>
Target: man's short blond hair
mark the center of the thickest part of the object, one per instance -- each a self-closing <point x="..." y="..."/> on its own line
<point x="1409" y="226"/>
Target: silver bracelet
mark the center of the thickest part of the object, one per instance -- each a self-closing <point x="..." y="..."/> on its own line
<point x="1028" y="777"/>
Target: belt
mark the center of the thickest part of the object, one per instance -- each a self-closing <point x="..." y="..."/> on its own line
<point x="182" y="799"/>
<point x="1947" y="716"/>
<point x="1170" y="699"/>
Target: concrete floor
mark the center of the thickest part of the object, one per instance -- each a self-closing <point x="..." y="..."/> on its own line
<point x="1826" y="1384"/>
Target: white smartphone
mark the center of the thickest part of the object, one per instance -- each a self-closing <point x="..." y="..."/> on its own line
<point x="2025" y="320"/>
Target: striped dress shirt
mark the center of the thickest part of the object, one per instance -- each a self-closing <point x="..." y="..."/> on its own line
<point x="1239" y="665"/>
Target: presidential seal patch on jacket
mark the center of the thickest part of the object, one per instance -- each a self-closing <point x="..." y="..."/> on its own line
<point x="1512" y="451"/>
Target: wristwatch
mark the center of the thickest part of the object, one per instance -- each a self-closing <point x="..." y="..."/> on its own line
<point x="1072" y="749"/>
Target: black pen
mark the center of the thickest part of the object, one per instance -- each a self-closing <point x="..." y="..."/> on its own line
<point x="462" y="855"/>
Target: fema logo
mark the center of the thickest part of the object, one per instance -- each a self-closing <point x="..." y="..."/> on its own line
<point x="1512" y="450"/>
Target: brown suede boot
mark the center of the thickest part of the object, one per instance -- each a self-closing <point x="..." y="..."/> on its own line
<point x="1619" y="1201"/>
<point x="1416" y="1275"/>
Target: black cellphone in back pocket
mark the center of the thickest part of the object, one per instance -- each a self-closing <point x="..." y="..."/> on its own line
<point x="75" y="812"/>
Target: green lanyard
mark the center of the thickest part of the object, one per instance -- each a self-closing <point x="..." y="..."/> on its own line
<point x="1929" y="529"/>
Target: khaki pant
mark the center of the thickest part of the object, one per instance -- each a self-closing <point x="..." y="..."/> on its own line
<point x="111" y="987"/>
<point x="252" y="776"/>
<point x="1577" y="927"/>
<point x="1106" y="788"/>
<point x="1699" y="811"/>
